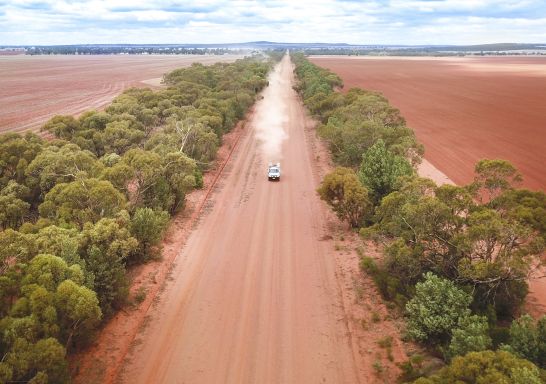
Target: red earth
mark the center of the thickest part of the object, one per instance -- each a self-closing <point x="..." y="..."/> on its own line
<point x="463" y="109"/>
<point x="35" y="88"/>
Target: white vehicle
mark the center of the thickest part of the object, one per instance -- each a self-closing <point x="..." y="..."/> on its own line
<point x="274" y="172"/>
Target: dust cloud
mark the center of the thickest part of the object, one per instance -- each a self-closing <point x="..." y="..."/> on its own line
<point x="271" y="115"/>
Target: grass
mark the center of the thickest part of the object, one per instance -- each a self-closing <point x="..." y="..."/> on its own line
<point x="140" y="294"/>
<point x="386" y="343"/>
<point x="376" y="317"/>
<point x="378" y="367"/>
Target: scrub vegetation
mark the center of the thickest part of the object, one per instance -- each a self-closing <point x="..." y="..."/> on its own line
<point x="457" y="259"/>
<point x="78" y="210"/>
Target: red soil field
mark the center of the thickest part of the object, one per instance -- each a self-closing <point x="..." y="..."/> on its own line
<point x="35" y="88"/>
<point x="463" y="109"/>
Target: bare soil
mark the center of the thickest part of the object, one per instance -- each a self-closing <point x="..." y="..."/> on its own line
<point x="463" y="109"/>
<point x="35" y="88"/>
<point x="264" y="289"/>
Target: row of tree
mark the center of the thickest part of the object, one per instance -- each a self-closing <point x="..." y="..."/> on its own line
<point x="77" y="210"/>
<point x="457" y="258"/>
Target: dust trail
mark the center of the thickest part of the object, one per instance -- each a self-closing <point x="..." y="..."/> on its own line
<point x="271" y="115"/>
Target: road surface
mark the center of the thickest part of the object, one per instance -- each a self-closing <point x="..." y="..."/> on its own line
<point x="253" y="296"/>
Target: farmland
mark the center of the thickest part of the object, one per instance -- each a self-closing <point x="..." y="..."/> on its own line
<point x="463" y="109"/>
<point x="34" y="88"/>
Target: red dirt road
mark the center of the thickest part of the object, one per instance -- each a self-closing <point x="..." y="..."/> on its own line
<point x="463" y="109"/>
<point x="34" y="88"/>
<point x="254" y="296"/>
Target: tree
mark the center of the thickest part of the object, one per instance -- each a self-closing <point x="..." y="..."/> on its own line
<point x="81" y="201"/>
<point x="471" y="335"/>
<point x="52" y="304"/>
<point x="59" y="241"/>
<point x="118" y="137"/>
<point x="78" y="309"/>
<point x="106" y="246"/>
<point x="120" y="175"/>
<point x="180" y="172"/>
<point x="491" y="246"/>
<point x="16" y="153"/>
<point x="63" y="127"/>
<point x="146" y="166"/>
<point x="148" y="226"/>
<point x="48" y="271"/>
<point x="40" y="362"/>
<point x="342" y="190"/>
<point x="486" y="367"/>
<point x="12" y="211"/>
<point x="528" y="339"/>
<point x="436" y="308"/>
<point x="496" y="176"/>
<point x="63" y="164"/>
<point x="381" y="170"/>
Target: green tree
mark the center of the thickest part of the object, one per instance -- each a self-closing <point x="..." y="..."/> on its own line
<point x="528" y="339"/>
<point x="63" y="164"/>
<point x="148" y="226"/>
<point x="106" y="247"/>
<point x="12" y="211"/>
<point x="471" y="335"/>
<point x="59" y="241"/>
<point x="81" y="201"/>
<point x="180" y="172"/>
<point x="78" y="309"/>
<point x="16" y="153"/>
<point x="146" y="166"/>
<point x="491" y="246"/>
<point x="63" y="127"/>
<point x="118" y="137"/>
<point x="496" y="176"/>
<point x="436" y="308"/>
<point x="342" y="190"/>
<point x="381" y="170"/>
<point x="486" y="367"/>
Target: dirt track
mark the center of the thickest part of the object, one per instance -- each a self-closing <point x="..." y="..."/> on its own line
<point x="35" y="88"/>
<point x="254" y="296"/>
<point x="463" y="109"/>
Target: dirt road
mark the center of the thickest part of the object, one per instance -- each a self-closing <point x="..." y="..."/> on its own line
<point x="254" y="296"/>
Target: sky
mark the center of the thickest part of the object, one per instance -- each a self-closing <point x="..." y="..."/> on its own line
<point x="411" y="22"/>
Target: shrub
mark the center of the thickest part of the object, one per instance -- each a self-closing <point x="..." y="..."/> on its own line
<point x="471" y="335"/>
<point x="528" y="339"/>
<point x="147" y="226"/>
<point x="342" y="190"/>
<point x="486" y="367"/>
<point x="436" y="308"/>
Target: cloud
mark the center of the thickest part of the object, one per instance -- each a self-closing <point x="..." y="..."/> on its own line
<point x="222" y="21"/>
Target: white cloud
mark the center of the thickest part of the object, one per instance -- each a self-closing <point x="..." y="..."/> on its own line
<point x="210" y="21"/>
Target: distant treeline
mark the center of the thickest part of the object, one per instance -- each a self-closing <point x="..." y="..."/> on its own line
<point x="484" y="49"/>
<point x="457" y="259"/>
<point x="128" y="50"/>
<point x="78" y="210"/>
<point x="417" y="52"/>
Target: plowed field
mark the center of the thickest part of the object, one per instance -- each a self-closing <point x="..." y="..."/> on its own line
<point x="463" y="109"/>
<point x="34" y="88"/>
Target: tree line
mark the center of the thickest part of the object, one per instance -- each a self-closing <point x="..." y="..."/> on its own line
<point x="128" y="50"/>
<point x="77" y="210"/>
<point x="457" y="259"/>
